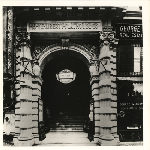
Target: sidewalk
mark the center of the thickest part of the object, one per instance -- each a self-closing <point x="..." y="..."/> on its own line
<point x="71" y="139"/>
<point x="131" y="143"/>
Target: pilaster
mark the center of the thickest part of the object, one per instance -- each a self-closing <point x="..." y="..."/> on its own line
<point x="37" y="104"/>
<point x="23" y="109"/>
<point x="108" y="92"/>
<point x="94" y="105"/>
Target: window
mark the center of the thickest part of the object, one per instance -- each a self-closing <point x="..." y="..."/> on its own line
<point x="129" y="60"/>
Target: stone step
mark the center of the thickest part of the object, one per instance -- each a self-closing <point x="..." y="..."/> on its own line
<point x="69" y="121"/>
<point x="70" y="144"/>
<point x="67" y="125"/>
<point x="66" y="134"/>
<point x="76" y="117"/>
<point x="64" y="127"/>
<point x="71" y="117"/>
<point x="69" y="128"/>
<point x="70" y="138"/>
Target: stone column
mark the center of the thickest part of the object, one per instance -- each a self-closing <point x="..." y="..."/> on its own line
<point x="37" y="104"/>
<point x="108" y="99"/>
<point x="23" y="109"/>
<point x="95" y="96"/>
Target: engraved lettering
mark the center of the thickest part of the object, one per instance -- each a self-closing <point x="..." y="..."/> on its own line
<point x="70" y="26"/>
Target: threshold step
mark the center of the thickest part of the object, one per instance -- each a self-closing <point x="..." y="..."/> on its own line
<point x="53" y="130"/>
<point x="67" y="123"/>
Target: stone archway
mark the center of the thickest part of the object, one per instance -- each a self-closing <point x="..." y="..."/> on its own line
<point x="85" y="56"/>
<point x="52" y="51"/>
<point x="28" y="111"/>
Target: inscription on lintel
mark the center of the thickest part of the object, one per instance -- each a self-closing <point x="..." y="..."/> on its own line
<point x="58" y="26"/>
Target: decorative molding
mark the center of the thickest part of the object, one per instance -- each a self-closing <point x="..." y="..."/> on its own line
<point x="91" y="50"/>
<point x="22" y="39"/>
<point x="9" y="40"/>
<point x="41" y="49"/>
<point x="108" y="38"/>
<point x="10" y="14"/>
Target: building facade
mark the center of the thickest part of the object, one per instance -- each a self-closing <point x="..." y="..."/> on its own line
<point x="91" y="56"/>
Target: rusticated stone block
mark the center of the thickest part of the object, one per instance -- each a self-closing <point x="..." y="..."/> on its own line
<point x="35" y="123"/>
<point x="105" y="124"/>
<point x="105" y="110"/>
<point x="96" y="97"/>
<point x="114" y="104"/>
<point x="17" y="130"/>
<point x="35" y="130"/>
<point x="97" y="130"/>
<point x="34" y="104"/>
<point x="35" y="117"/>
<point x="27" y="124"/>
<point x="105" y="96"/>
<point x="34" y="111"/>
<point x="96" y="104"/>
<point x="95" y="92"/>
<point x="97" y="117"/>
<point x="17" y="117"/>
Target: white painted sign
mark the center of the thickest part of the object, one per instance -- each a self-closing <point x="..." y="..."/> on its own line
<point x="62" y="26"/>
<point x="66" y="76"/>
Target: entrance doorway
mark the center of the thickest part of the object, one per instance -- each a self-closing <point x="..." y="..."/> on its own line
<point x="65" y="106"/>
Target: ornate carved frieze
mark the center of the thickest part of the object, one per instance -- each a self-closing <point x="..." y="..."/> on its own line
<point x="95" y="63"/>
<point x="94" y="49"/>
<point x="108" y="38"/>
<point x="40" y="49"/>
<point x="90" y="49"/>
<point x="22" y="39"/>
<point x="9" y="39"/>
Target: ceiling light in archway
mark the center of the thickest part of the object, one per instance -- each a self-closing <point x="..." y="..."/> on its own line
<point x="66" y="76"/>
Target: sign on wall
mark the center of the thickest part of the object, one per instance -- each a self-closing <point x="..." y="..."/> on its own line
<point x="58" y="26"/>
<point x="66" y="76"/>
<point x="129" y="31"/>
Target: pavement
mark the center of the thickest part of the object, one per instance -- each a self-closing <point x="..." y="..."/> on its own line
<point x="131" y="144"/>
<point x="67" y="139"/>
<point x="72" y="139"/>
<point x="75" y="139"/>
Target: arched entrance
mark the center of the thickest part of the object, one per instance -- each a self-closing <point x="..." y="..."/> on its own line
<point x="66" y="107"/>
<point x="66" y="100"/>
<point x="103" y="103"/>
<point x="56" y="50"/>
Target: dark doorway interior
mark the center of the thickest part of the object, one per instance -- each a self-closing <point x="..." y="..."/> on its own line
<point x="73" y="97"/>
